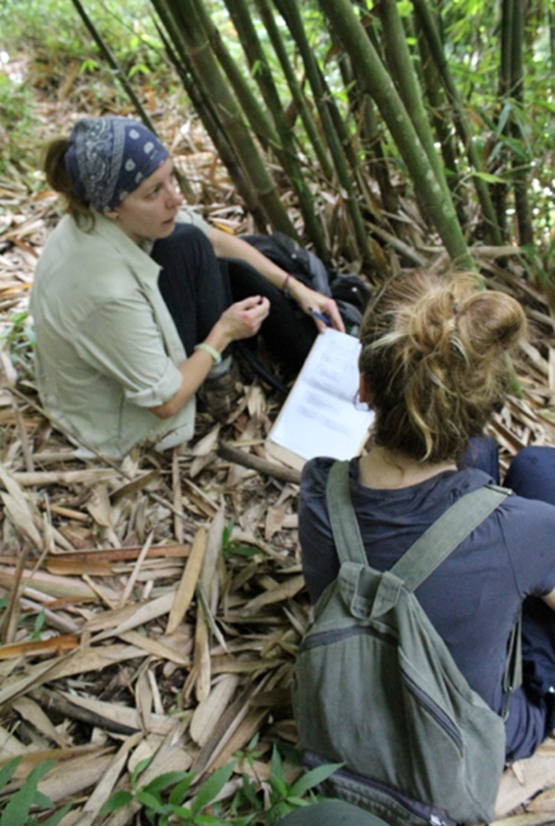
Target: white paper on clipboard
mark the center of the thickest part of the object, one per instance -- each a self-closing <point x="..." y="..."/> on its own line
<point x="319" y="417"/>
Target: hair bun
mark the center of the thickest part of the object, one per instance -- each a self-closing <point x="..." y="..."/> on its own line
<point x="434" y="358"/>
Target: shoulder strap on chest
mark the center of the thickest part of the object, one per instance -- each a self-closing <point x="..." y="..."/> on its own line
<point x="446" y="533"/>
<point x="430" y="549"/>
<point x="344" y="524"/>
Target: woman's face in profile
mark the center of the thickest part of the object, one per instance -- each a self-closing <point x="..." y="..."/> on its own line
<point x="149" y="212"/>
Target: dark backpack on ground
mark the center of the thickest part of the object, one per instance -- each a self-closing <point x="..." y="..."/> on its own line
<point x="349" y="291"/>
<point x="377" y="689"/>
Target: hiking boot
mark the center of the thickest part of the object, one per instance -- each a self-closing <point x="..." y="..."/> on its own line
<point x="220" y="396"/>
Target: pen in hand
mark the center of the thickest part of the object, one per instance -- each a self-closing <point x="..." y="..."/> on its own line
<point x="322" y="317"/>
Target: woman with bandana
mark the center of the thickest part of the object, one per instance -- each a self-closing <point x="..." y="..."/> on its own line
<point x="134" y="309"/>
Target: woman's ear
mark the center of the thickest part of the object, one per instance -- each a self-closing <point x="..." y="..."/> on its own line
<point x="364" y="392"/>
<point x="112" y="214"/>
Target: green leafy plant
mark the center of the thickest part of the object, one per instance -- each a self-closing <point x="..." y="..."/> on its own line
<point x="27" y="806"/>
<point x="18" y="339"/>
<point x="285" y="797"/>
<point x="232" y="547"/>
<point x="173" y="797"/>
<point x="165" y="798"/>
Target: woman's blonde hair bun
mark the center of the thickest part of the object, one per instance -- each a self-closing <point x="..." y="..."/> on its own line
<point x="434" y="355"/>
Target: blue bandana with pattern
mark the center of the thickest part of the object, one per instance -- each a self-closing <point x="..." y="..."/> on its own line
<point x="109" y="157"/>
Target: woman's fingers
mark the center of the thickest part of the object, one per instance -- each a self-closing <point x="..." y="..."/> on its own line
<point x="244" y="318"/>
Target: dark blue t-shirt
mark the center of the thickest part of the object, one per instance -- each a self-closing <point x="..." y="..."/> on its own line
<point x="474" y="597"/>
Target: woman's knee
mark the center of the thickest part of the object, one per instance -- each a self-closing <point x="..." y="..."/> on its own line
<point x="187" y="243"/>
<point x="532" y="473"/>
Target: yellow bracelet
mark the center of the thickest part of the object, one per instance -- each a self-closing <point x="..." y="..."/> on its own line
<point x="210" y="350"/>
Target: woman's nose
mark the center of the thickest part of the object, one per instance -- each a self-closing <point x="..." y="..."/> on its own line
<point x="175" y="197"/>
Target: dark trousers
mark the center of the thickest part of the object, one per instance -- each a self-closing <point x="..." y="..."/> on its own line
<point x="197" y="287"/>
<point x="531" y="475"/>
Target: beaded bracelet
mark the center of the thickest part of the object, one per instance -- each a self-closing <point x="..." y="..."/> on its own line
<point x="210" y="350"/>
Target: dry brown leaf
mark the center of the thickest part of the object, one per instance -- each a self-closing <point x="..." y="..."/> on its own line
<point x="243" y="734"/>
<point x="99" y="506"/>
<point x="208" y="443"/>
<point x="124" y="715"/>
<point x="20" y="515"/>
<point x="188" y="583"/>
<point x="209" y="711"/>
<point x="156" y="647"/>
<point x="135" y="573"/>
<point x="141" y="615"/>
<point x="201" y="661"/>
<point x="274" y="520"/>
<point x="287" y="590"/>
<point x="105" y="785"/>
<point x="33" y="713"/>
<point x="208" y="579"/>
<point x="136" y="485"/>
<point x="54" y="645"/>
<point x="144" y="699"/>
<point x="10" y="746"/>
<point x="78" y="775"/>
<point x="177" y="497"/>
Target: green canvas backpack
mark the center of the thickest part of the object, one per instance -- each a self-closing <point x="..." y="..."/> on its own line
<point x="377" y="689"/>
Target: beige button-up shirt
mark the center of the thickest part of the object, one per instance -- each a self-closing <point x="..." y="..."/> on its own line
<point x="107" y="348"/>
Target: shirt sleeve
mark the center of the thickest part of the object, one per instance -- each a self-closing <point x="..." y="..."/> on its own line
<point x="528" y="528"/>
<point x="121" y="340"/>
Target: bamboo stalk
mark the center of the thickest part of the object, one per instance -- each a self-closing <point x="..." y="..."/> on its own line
<point x="206" y="112"/>
<point x="268" y="18"/>
<point x="402" y="71"/>
<point x="186" y="16"/>
<point x="439" y="114"/>
<point x="293" y="19"/>
<point x="461" y="122"/>
<point x="284" y="145"/>
<point x="104" y="49"/>
<point x="376" y="81"/>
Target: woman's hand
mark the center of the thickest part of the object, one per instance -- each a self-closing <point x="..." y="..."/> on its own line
<point x="309" y="300"/>
<point x="230" y="246"/>
<point x="242" y="319"/>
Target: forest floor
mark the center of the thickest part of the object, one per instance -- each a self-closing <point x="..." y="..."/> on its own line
<point x="129" y="629"/>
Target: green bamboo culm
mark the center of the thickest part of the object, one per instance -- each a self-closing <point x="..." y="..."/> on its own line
<point x="439" y="115"/>
<point x="291" y="14"/>
<point x="284" y="144"/>
<point x="437" y="52"/>
<point x="401" y="68"/>
<point x="259" y="119"/>
<point x="186" y="73"/>
<point x="112" y="63"/>
<point x="186" y="17"/>
<point x="511" y="92"/>
<point x="375" y="80"/>
<point x="267" y="15"/>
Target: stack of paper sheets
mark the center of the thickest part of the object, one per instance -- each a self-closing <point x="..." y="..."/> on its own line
<point x="319" y="417"/>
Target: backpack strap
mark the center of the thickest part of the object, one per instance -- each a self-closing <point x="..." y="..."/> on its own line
<point x="435" y="544"/>
<point x="427" y="553"/>
<point x="344" y="524"/>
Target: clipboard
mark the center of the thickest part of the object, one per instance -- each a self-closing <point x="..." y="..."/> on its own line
<point x="319" y="417"/>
